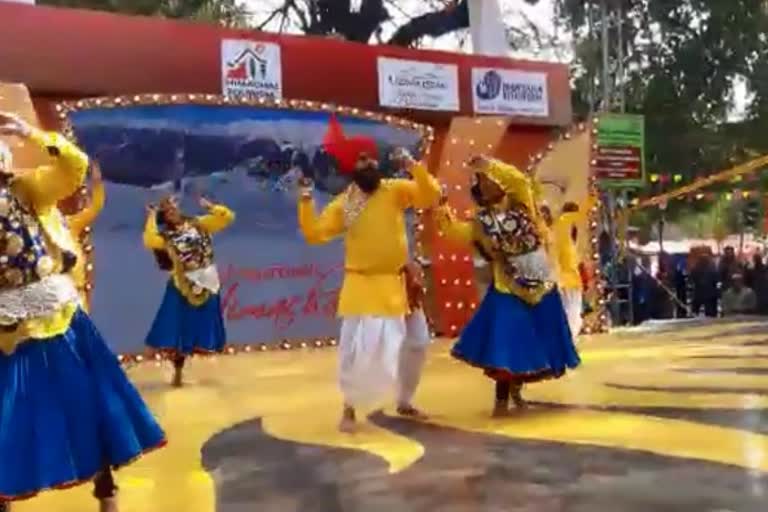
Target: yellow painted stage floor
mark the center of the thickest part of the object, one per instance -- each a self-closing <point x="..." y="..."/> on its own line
<point x="670" y="419"/>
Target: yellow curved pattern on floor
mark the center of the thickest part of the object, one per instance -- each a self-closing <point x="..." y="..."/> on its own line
<point x="295" y="394"/>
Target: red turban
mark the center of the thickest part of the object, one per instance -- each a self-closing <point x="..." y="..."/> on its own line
<point x="347" y="150"/>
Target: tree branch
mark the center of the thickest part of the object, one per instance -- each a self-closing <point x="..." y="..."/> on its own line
<point x="432" y="24"/>
<point x="283" y="9"/>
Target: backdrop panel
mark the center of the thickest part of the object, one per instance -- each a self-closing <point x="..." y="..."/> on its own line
<point x="274" y="286"/>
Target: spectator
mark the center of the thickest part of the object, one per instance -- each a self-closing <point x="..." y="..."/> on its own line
<point x="755" y="274"/>
<point x="739" y="299"/>
<point x="728" y="266"/>
<point x="704" y="278"/>
<point x="642" y="286"/>
<point x="662" y="303"/>
<point x="681" y="285"/>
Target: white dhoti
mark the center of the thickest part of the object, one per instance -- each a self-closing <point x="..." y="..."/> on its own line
<point x="369" y="358"/>
<point x="572" y="303"/>
<point x="413" y="355"/>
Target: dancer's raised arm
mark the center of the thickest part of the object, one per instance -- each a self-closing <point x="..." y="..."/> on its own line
<point x="322" y="228"/>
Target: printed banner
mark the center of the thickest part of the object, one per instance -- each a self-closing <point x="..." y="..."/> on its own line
<point x="618" y="154"/>
<point x="509" y="92"/>
<point x="418" y="85"/>
<point x="251" y="69"/>
<point x="274" y="285"/>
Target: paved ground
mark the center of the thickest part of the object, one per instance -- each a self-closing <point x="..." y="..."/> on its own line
<point x="660" y="419"/>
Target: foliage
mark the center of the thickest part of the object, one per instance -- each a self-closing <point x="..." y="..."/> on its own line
<point x="225" y="12"/>
<point x="681" y="61"/>
<point x="716" y="221"/>
<point x="359" y="21"/>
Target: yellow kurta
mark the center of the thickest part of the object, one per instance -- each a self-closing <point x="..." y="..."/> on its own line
<point x="41" y="189"/>
<point x="376" y="245"/>
<point x="77" y="224"/>
<point x="565" y="250"/>
<point x="218" y="218"/>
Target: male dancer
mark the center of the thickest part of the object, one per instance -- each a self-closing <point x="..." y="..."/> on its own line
<point x="566" y="254"/>
<point x="373" y="302"/>
<point x="413" y="355"/>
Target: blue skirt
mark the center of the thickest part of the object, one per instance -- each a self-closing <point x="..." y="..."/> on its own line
<point x="67" y="411"/>
<point x="515" y="341"/>
<point x="180" y="328"/>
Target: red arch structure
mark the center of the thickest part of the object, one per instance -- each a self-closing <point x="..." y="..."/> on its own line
<point x="64" y="54"/>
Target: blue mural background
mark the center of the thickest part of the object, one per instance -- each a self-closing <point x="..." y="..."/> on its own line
<point x="274" y="286"/>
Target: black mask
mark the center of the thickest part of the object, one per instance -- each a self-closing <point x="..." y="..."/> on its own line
<point x="367" y="179"/>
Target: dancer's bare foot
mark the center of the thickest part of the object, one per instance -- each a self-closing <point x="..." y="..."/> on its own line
<point x="409" y="411"/>
<point x="501" y="409"/>
<point x="108" y="505"/>
<point x="178" y="379"/>
<point x="518" y="400"/>
<point x="348" y="423"/>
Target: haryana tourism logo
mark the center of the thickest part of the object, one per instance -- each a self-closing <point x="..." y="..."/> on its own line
<point x="489" y="87"/>
<point x="249" y="66"/>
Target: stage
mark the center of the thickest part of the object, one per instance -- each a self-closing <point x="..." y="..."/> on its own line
<point x="662" y="419"/>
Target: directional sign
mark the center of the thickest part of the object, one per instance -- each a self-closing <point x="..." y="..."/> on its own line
<point x="618" y="150"/>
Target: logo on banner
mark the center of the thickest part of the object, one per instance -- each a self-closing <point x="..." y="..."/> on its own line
<point x="489" y="87"/>
<point x="251" y="69"/>
<point x="418" y="85"/>
<point x="509" y="92"/>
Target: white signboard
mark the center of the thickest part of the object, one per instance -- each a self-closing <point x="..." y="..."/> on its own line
<point x="251" y="69"/>
<point x="509" y="92"/>
<point x="418" y="85"/>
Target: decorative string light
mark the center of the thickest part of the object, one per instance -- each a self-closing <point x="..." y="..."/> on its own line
<point x="66" y="108"/>
<point x="598" y="322"/>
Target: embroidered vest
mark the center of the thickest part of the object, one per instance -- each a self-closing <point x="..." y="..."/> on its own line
<point x="24" y="258"/>
<point x="190" y="246"/>
<point x="514" y="242"/>
<point x="191" y="249"/>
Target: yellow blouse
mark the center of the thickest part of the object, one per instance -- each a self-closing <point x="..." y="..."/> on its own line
<point x="218" y="218"/>
<point x="375" y="245"/>
<point x="77" y="223"/>
<point x="519" y="189"/>
<point x="41" y="189"/>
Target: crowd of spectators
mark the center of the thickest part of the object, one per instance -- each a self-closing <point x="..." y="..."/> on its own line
<point x="699" y="284"/>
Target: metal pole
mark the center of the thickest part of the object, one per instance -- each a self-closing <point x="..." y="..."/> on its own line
<point x="591" y="71"/>
<point x="620" y="57"/>
<point x="604" y="22"/>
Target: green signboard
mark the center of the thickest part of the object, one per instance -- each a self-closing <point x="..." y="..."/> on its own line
<point x="618" y="150"/>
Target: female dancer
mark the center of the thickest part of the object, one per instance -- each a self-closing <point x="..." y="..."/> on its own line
<point x="520" y="333"/>
<point x="189" y="319"/>
<point x="78" y="222"/>
<point x="68" y="413"/>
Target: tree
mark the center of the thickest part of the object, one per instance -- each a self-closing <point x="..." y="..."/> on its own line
<point x="681" y="60"/>
<point x="397" y="22"/>
<point x="225" y="12"/>
<point x="364" y="20"/>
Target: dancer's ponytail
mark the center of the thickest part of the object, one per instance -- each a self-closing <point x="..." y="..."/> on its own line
<point x="162" y="257"/>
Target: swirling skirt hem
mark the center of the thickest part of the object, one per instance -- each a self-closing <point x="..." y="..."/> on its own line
<point x="81" y="481"/>
<point x="509" y="375"/>
<point x="181" y="329"/>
